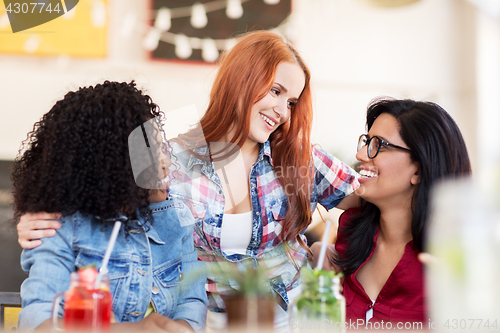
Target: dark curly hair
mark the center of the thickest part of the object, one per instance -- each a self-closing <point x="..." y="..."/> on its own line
<point x="77" y="157"/>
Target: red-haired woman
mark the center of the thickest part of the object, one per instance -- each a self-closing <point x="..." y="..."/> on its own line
<point x="249" y="172"/>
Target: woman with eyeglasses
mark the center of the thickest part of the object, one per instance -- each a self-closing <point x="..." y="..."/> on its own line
<point x="410" y="145"/>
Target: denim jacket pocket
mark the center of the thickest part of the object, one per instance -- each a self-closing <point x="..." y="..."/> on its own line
<point x="168" y="276"/>
<point x="169" y="273"/>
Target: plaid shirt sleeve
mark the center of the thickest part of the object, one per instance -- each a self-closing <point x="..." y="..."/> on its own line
<point x="333" y="179"/>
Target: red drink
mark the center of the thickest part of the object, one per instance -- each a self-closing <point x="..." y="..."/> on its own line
<point x="87" y="309"/>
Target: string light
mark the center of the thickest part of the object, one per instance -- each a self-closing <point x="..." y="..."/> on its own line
<point x="198" y="16"/>
<point x="209" y="51"/>
<point x="152" y="39"/>
<point x="230" y="43"/>
<point x="163" y="20"/>
<point x="234" y="10"/>
<point x="183" y="48"/>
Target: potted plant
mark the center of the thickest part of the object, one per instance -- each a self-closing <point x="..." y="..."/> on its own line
<point x="250" y="303"/>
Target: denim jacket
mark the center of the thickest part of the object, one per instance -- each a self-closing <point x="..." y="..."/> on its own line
<point x="146" y="266"/>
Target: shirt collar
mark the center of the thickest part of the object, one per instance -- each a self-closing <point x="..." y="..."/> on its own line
<point x="265" y="150"/>
<point x="193" y="160"/>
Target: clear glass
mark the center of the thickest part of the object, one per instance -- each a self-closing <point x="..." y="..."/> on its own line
<point x="319" y="308"/>
<point x="86" y="308"/>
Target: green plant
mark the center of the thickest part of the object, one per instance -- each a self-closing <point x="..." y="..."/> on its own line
<point x="246" y="277"/>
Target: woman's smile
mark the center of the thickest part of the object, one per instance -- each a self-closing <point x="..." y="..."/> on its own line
<point x="367" y="173"/>
<point x="271" y="122"/>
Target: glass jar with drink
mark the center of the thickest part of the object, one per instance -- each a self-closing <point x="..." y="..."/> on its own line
<point x="87" y="306"/>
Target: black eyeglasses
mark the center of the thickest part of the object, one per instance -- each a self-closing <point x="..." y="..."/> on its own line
<point x="374" y="143"/>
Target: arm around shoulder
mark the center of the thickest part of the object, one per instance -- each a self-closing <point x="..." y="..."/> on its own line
<point x="335" y="181"/>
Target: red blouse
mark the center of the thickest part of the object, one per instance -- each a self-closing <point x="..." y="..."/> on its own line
<point x="402" y="297"/>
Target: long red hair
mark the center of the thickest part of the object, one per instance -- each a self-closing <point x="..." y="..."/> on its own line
<point x="246" y="74"/>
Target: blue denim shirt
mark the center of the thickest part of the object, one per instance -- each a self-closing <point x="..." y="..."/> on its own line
<point x="146" y="266"/>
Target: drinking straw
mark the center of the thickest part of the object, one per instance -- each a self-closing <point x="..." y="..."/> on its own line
<point x="324" y="241"/>
<point x="107" y="254"/>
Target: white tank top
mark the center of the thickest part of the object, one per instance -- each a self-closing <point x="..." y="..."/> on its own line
<point x="236" y="232"/>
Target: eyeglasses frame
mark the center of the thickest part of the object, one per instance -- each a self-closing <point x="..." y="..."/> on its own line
<point x="382" y="143"/>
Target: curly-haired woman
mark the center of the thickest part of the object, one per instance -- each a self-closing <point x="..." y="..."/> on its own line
<point x="77" y="162"/>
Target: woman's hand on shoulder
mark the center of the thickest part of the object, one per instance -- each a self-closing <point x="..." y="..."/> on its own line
<point x="154" y="323"/>
<point x="34" y="226"/>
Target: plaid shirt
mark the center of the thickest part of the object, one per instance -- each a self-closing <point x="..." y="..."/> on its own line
<point x="198" y="184"/>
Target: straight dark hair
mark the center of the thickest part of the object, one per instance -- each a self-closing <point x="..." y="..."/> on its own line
<point x="437" y="146"/>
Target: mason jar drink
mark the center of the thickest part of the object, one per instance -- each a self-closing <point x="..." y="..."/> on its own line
<point x="86" y="308"/>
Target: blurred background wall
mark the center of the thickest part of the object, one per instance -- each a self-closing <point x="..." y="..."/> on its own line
<point x="446" y="51"/>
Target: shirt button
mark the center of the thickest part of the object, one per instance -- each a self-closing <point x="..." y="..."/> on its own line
<point x="135" y="313"/>
<point x="142" y="272"/>
<point x="258" y="213"/>
<point x="155" y="290"/>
